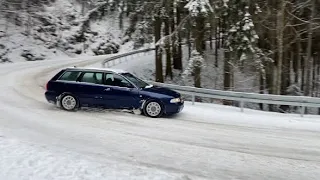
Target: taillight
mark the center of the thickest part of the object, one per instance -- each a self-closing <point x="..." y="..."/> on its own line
<point x="47" y="85"/>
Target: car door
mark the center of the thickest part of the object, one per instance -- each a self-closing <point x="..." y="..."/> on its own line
<point x="119" y="92"/>
<point x="90" y="89"/>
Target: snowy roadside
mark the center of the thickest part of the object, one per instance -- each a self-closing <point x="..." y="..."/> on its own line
<point x="22" y="160"/>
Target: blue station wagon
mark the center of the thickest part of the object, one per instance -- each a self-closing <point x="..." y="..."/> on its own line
<point x="73" y="88"/>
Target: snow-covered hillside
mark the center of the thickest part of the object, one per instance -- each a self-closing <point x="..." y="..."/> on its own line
<point x="55" y="31"/>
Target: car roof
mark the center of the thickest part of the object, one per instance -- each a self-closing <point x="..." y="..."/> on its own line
<point x="98" y="69"/>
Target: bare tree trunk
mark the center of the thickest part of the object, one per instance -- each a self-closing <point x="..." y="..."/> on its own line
<point x="168" y="49"/>
<point x="318" y="80"/>
<point x="285" y="82"/>
<point x="217" y="41"/>
<point x="227" y="75"/>
<point x="262" y="87"/>
<point x="299" y="70"/>
<point x="176" y="49"/>
<point x="309" y="60"/>
<point x="269" y="82"/>
<point x="318" y="76"/>
<point x="314" y="77"/>
<point x="200" y="24"/>
<point x="157" y="33"/>
<point x="274" y="86"/>
<point x="285" y="79"/>
<point x="189" y="38"/>
<point x="291" y="67"/>
<point x="173" y="41"/>
<point x="199" y="36"/>
<point x="303" y="74"/>
<point x="179" y="57"/>
<point x="222" y="31"/>
<point x="280" y="35"/>
<point x="210" y="35"/>
<point x="179" y="53"/>
<point x="130" y="7"/>
<point x="121" y="17"/>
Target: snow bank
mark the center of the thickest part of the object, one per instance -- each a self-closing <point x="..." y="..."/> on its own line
<point x="214" y="113"/>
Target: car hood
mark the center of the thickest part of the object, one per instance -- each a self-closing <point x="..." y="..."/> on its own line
<point x="161" y="90"/>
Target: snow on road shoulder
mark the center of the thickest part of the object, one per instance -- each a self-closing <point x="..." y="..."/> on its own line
<point x="21" y="160"/>
<point x="214" y="113"/>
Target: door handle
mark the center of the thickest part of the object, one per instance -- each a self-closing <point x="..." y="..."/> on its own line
<point x="108" y="89"/>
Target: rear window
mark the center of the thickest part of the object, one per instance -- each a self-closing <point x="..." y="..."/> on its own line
<point x="70" y="76"/>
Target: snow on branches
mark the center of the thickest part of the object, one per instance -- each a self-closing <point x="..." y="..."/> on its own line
<point x="199" y="7"/>
<point x="241" y="36"/>
<point x="196" y="61"/>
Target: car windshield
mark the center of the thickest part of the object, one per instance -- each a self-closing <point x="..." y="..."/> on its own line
<point x="138" y="82"/>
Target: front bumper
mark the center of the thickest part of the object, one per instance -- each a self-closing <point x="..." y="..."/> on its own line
<point x="174" y="108"/>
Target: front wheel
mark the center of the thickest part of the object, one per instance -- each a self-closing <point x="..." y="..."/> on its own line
<point x="153" y="109"/>
<point x="69" y="102"/>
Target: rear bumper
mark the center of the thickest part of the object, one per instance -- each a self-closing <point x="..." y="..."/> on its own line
<point x="51" y="97"/>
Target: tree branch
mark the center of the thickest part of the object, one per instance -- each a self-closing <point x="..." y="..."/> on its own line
<point x="162" y="41"/>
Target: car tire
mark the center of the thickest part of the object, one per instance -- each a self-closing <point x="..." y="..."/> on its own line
<point x="69" y="102"/>
<point x="153" y="109"/>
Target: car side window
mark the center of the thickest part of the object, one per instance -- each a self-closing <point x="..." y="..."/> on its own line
<point x="117" y="80"/>
<point x="70" y="76"/>
<point x="92" y="77"/>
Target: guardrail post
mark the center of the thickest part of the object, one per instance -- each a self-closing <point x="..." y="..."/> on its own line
<point x="241" y="106"/>
<point x="193" y="99"/>
<point x="303" y="110"/>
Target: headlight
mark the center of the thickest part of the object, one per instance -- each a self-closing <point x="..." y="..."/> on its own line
<point x="175" y="100"/>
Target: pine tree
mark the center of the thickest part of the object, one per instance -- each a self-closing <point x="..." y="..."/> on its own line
<point x="199" y="11"/>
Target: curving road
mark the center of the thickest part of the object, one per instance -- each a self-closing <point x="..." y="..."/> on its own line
<point x="203" y="142"/>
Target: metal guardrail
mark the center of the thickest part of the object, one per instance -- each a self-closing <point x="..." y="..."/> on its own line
<point x="242" y="97"/>
<point x="113" y="58"/>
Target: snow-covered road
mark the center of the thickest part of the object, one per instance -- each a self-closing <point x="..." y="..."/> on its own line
<point x="39" y="141"/>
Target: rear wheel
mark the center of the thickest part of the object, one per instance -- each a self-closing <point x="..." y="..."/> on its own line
<point x="153" y="109"/>
<point x="69" y="102"/>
